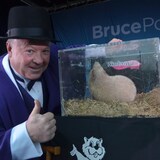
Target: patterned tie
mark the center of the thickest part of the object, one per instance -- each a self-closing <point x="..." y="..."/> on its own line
<point x="30" y="83"/>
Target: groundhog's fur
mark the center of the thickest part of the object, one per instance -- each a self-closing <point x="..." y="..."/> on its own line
<point x="110" y="88"/>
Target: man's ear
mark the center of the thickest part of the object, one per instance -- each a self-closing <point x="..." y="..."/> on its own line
<point x="9" y="48"/>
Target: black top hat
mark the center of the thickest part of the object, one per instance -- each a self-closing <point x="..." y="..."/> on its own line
<point x="27" y="22"/>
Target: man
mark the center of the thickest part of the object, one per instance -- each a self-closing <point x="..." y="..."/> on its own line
<point x="29" y="89"/>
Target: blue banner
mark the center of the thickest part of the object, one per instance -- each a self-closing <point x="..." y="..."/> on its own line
<point x="98" y="23"/>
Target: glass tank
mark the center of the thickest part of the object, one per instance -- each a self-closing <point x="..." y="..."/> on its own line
<point x="111" y="80"/>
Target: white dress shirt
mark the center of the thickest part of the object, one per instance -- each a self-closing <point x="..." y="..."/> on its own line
<point x="22" y="147"/>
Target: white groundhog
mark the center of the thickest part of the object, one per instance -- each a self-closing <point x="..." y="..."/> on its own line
<point x="110" y="88"/>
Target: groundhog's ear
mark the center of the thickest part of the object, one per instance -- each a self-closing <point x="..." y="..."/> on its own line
<point x="85" y="139"/>
<point x="92" y="75"/>
<point x="101" y="140"/>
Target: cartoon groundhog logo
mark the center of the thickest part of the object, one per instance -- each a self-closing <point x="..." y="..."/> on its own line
<point x="92" y="149"/>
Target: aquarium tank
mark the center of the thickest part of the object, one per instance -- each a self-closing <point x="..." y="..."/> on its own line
<point x="111" y="80"/>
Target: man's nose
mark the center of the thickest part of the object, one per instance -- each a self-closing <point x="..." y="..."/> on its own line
<point x="38" y="58"/>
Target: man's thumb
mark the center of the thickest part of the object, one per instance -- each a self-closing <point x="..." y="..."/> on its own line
<point x="37" y="108"/>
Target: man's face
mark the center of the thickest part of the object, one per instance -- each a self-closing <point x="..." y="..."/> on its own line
<point x="28" y="58"/>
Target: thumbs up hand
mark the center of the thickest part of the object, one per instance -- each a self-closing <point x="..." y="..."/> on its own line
<point x="41" y="128"/>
